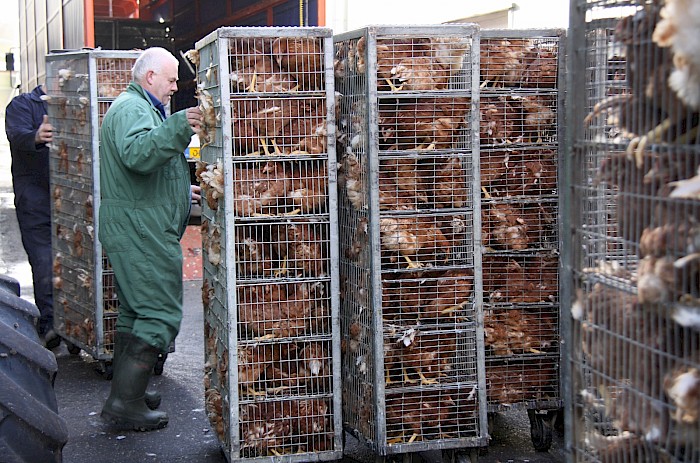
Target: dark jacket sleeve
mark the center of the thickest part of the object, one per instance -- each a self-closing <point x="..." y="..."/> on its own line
<point x="21" y="124"/>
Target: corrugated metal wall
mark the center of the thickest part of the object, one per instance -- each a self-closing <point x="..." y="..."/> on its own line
<point x="47" y="25"/>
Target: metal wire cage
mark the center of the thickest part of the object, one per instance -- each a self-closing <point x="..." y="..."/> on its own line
<point x="269" y="225"/>
<point x="521" y="107"/>
<point x="410" y="277"/>
<point x="634" y="209"/>
<point x="80" y="86"/>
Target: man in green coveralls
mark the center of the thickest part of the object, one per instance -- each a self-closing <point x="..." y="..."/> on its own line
<point x="146" y="199"/>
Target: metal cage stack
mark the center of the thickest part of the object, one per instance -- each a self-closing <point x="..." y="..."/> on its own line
<point x="635" y="210"/>
<point x="521" y="101"/>
<point x="410" y="283"/>
<point x="80" y="86"/>
<point x="269" y="221"/>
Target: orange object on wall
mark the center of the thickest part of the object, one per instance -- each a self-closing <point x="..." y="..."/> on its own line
<point x="116" y="8"/>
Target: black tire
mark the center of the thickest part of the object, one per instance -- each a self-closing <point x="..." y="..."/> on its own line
<point x="30" y="428"/>
<point x="9" y="284"/>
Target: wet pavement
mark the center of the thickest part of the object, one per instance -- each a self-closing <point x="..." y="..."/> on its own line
<point x="81" y="390"/>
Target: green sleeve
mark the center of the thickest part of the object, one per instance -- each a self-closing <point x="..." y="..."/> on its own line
<point x="145" y="146"/>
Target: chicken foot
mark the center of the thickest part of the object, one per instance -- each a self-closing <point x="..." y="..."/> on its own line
<point x="412" y="264"/>
<point x="453" y="308"/>
<point x="250" y="390"/>
<point x="275" y="390"/>
<point x="425" y="381"/>
<point x="266" y="148"/>
<point x="394" y="88"/>
<point x="406" y="379"/>
<point x="253" y="82"/>
<point x="282" y="270"/>
<point x="603" y="106"/>
<point x="636" y="147"/>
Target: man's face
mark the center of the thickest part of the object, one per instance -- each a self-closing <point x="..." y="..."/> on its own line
<point x="163" y="83"/>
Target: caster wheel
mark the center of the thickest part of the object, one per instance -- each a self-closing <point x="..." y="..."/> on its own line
<point x="72" y="348"/>
<point x="541" y="427"/>
<point x="105" y="370"/>
<point x="160" y="363"/>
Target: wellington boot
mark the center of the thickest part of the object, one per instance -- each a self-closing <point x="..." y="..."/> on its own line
<point x="152" y="398"/>
<point x="126" y="405"/>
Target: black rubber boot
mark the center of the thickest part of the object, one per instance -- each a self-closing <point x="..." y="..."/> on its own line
<point x="152" y="398"/>
<point x="126" y="406"/>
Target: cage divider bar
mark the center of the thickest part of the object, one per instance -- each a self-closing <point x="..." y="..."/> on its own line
<point x="374" y="238"/>
<point x="573" y="82"/>
<point x="478" y="290"/>
<point x="229" y="222"/>
<point x="334" y="233"/>
<point x="97" y="249"/>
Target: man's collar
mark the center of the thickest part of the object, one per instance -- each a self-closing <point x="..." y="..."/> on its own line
<point x="156" y="102"/>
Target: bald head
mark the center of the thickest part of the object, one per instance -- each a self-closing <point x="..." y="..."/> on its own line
<point x="156" y="71"/>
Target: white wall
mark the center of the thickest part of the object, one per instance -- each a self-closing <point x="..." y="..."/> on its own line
<point x="9" y="41"/>
<point x="541" y="14"/>
<point x="344" y="15"/>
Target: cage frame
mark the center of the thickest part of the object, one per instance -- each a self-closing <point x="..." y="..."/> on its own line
<point x="589" y="262"/>
<point x="225" y="294"/>
<point x="100" y="350"/>
<point x="541" y="412"/>
<point x="374" y="153"/>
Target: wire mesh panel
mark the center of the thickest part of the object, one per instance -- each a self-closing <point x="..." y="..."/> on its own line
<point x="410" y="284"/>
<point x="80" y="86"/>
<point x="521" y="94"/>
<point x="520" y="129"/>
<point x="269" y="234"/>
<point x="635" y="355"/>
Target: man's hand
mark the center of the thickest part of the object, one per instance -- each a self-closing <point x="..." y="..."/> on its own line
<point x="194" y="118"/>
<point x="44" y="133"/>
<point x="196" y="192"/>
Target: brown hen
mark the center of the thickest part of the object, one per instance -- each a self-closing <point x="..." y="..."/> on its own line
<point x="258" y="190"/>
<point x="307" y="187"/>
<point x="414" y="238"/>
<point x="446" y="181"/>
<point x="254" y="256"/>
<point x="302" y="57"/>
<point x="444" y="297"/>
<point x="302" y="246"/>
<point x="263" y="76"/>
<point x="253" y="361"/>
<point x="275" y="311"/>
<point x="426" y="123"/>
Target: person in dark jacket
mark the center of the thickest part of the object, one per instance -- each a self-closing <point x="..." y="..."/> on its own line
<point x="146" y="200"/>
<point x="29" y="131"/>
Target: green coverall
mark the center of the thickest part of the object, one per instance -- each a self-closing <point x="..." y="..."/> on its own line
<point x="145" y="191"/>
